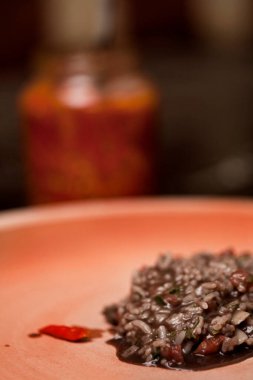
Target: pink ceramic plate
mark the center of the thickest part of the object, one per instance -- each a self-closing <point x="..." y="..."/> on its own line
<point x="63" y="264"/>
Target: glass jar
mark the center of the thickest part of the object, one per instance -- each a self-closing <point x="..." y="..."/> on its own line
<point x="90" y="123"/>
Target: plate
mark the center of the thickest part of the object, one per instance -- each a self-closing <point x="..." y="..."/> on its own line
<point x="63" y="264"/>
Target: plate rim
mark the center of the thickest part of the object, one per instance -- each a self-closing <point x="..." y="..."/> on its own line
<point x="42" y="214"/>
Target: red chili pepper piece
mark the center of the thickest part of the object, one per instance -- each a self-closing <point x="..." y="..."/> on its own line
<point x="210" y="345"/>
<point x="69" y="333"/>
<point x="173" y="353"/>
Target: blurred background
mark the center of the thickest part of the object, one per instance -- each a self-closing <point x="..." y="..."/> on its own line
<point x="109" y="98"/>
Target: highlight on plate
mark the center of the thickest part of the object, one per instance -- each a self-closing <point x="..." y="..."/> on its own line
<point x="193" y="313"/>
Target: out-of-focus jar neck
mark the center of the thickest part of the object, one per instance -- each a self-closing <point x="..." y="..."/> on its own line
<point x="90" y="37"/>
<point x="79" y="25"/>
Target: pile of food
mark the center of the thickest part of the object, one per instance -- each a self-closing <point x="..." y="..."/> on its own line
<point x="181" y="310"/>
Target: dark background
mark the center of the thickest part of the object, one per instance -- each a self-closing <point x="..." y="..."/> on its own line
<point x="206" y="86"/>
